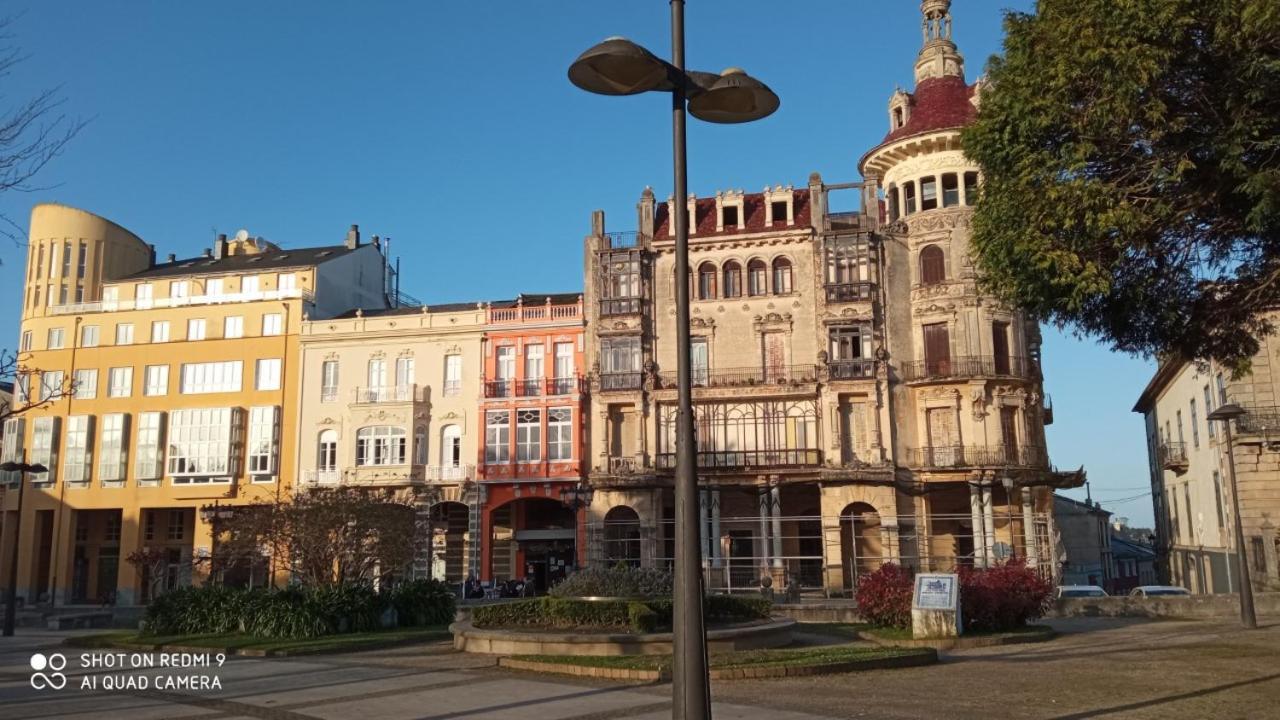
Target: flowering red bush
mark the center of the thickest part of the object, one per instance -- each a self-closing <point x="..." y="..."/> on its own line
<point x="1004" y="597"/>
<point x="884" y="596"/>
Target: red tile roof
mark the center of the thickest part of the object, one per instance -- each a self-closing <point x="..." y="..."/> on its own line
<point x="937" y="104"/>
<point x="753" y="208"/>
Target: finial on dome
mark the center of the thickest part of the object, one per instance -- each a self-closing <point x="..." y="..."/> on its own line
<point x="938" y="57"/>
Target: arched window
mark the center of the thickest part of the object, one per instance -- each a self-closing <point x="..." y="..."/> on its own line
<point x="707" y="281"/>
<point x="622" y="536"/>
<point x="781" y="276"/>
<point x="380" y="445"/>
<point x="757" y="278"/>
<point x="420" y="446"/>
<point x="933" y="266"/>
<point x="327" y="455"/>
<point x="451" y="446"/>
<point x="732" y="279"/>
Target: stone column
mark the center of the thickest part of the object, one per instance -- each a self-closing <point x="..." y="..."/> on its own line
<point x="704" y="524"/>
<point x="775" y="502"/>
<point x="979" y="533"/>
<point x="717" y="558"/>
<point x="1029" y="528"/>
<point x="762" y="554"/>
<point x="988" y="523"/>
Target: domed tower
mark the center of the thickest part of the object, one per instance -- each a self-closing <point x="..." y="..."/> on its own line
<point x="966" y="396"/>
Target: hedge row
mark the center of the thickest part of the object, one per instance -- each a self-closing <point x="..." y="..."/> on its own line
<point x="641" y="616"/>
<point x="297" y="611"/>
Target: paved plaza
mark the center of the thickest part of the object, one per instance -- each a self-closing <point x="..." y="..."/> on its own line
<point x="1098" y="669"/>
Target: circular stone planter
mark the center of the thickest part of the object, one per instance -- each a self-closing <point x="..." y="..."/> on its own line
<point x="746" y="636"/>
<point x="1037" y="633"/>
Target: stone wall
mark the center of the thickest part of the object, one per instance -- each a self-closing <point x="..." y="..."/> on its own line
<point x="1197" y="607"/>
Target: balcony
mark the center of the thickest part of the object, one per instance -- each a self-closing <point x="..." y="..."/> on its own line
<point x="850" y="292"/>
<point x="1259" y="420"/>
<point x="1173" y="456"/>
<point x="1048" y="410"/>
<point x="624" y="466"/>
<point x="748" y="459"/>
<point x="321" y="477"/>
<point x="978" y="456"/>
<point x="747" y="377"/>
<point x="447" y="473"/>
<point x="220" y="299"/>
<point x="389" y="394"/>
<point x="534" y="313"/>
<point x="624" y="240"/>
<point x="968" y="366"/>
<point x="611" y="307"/>
<point x="390" y="474"/>
<point x="621" y="381"/>
<point x="534" y="387"/>
<point x="852" y="369"/>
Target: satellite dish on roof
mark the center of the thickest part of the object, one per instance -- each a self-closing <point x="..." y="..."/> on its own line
<point x="242" y="235"/>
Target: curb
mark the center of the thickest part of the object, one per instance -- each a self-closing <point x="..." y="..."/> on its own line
<point x="1042" y="634"/>
<point x="743" y="673"/>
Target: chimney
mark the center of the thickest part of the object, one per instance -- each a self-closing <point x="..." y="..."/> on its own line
<point x="172" y="258"/>
<point x="377" y="242"/>
<point x="208" y="253"/>
<point x="151" y="252"/>
<point x="220" y="246"/>
<point x="353" y="237"/>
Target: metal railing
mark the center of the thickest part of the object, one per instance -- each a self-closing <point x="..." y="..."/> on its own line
<point x="747" y="377"/>
<point x="561" y="386"/>
<point x="619" y="306"/>
<point x="621" y="381"/>
<point x="452" y="388"/>
<point x="328" y="394"/>
<point x="850" y="292"/>
<point x="851" y="369"/>
<point x="1173" y="454"/>
<point x="389" y="394"/>
<point x="623" y="240"/>
<point x="975" y="456"/>
<point x="172" y="302"/>
<point x="1260" y="420"/>
<point x="531" y="387"/>
<point x="968" y="366"/>
<point x="499" y="388"/>
<point x="321" y="477"/>
<point x="782" y="458"/>
<point x="624" y="465"/>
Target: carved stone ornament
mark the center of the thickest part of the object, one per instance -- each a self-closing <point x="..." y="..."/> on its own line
<point x="980" y="403"/>
<point x="377" y="355"/>
<point x="331" y="356"/>
<point x="328" y="421"/>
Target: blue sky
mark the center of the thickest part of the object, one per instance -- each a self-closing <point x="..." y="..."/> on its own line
<point x="451" y="128"/>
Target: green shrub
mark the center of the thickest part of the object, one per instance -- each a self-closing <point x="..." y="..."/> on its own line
<point x="730" y="608"/>
<point x="286" y="613"/>
<point x="619" y="581"/>
<point x="191" y="610"/>
<point x="423" y="602"/>
<point x="624" y="615"/>
<point x="293" y="612"/>
<point x="641" y="618"/>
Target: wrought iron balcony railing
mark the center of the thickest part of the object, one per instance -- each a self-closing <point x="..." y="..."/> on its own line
<point x="747" y="377"/>
<point x="621" y="381"/>
<point x="732" y="459"/>
<point x="978" y="456"/>
<point x="562" y="386"/>
<point x="531" y="387"/>
<point x="499" y="388"/>
<point x="388" y="394"/>
<point x="968" y="366"/>
<point x="1260" y="420"/>
<point x="851" y="369"/>
<point x="1173" y="455"/>
<point x="850" y="292"/>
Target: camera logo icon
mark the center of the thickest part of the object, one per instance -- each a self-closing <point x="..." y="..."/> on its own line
<point x="55" y="679"/>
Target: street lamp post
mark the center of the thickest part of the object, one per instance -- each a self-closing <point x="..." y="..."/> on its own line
<point x="620" y="67"/>
<point x="1225" y="414"/>
<point x="11" y="592"/>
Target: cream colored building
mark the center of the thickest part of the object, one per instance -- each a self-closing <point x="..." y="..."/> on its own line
<point x="158" y="393"/>
<point x="1190" y="474"/>
<point x="389" y="399"/>
<point x="857" y="400"/>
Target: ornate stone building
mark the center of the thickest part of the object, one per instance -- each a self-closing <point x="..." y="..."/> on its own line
<point x="857" y="400"/>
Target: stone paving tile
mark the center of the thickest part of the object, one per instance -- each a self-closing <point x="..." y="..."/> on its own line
<point x="337" y="685"/>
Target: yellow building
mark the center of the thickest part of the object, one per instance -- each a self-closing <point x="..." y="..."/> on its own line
<point x="155" y="391"/>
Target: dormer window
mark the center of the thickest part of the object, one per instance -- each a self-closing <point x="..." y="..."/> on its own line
<point x="693" y="215"/>
<point x="899" y="119"/>
<point x="779" y="209"/>
<point x="731" y="217"/>
<point x="731" y="209"/>
<point x="779" y="206"/>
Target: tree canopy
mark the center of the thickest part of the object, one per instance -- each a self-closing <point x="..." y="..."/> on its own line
<point x="1131" y="160"/>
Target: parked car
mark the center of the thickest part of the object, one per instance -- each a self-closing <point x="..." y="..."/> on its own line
<point x="1079" y="591"/>
<point x="1159" y="591"/>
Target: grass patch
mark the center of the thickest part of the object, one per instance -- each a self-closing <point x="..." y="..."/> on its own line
<point x="829" y="655"/>
<point x="240" y="641"/>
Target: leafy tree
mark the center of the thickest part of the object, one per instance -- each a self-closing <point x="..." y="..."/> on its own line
<point x="1131" y="154"/>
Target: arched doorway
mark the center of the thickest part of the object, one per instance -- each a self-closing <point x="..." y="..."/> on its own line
<point x="860" y="544"/>
<point x="533" y="537"/>
<point x="448" y="541"/>
<point x="622" y="536"/>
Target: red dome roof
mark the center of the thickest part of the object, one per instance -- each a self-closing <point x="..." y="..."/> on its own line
<point x="938" y="103"/>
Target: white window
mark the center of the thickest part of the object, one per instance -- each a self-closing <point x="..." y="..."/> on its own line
<point x="233" y="327"/>
<point x="497" y="436"/>
<point x="506" y="362"/>
<point x="560" y="434"/>
<point x="179" y="289"/>
<point x="26" y="341"/>
<point x="111" y="297"/>
<point x="120" y="382"/>
<point x="44" y="447"/>
<point x="113" y="448"/>
<point x="157" y="380"/>
<point x="328" y="453"/>
<point x="266" y="374"/>
<point x="329" y="381"/>
<point x="150" y="458"/>
<point x="377" y="374"/>
<point x="55" y="339"/>
<point x="533" y="362"/>
<point x="263" y="441"/>
<point x="452" y="375"/>
<point x="160" y="331"/>
<point x="620" y="355"/>
<point x="195" y="329"/>
<point x="564" y="360"/>
<point x="85" y="384"/>
<point x="420" y="446"/>
<point x="287" y="281"/>
<point x="271" y="324"/>
<point x="89" y="336"/>
<point x="201" y="444"/>
<point x="51" y="385"/>
<point x="78" y="463"/>
<point x="124" y="334"/>
<point x="212" y="377"/>
<point x="528" y="435"/>
<point x="11" y="448"/>
<point x="213" y="287"/>
<point x="451" y="446"/>
<point x="249" y="284"/>
<point x="143" y="295"/>
<point x="380" y="445"/>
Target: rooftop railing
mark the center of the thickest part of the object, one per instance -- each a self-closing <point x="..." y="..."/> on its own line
<point x="978" y="456"/>
<point x="173" y="302"/>
<point x="535" y="312"/>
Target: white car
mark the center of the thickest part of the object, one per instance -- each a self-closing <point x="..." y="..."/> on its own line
<point x="1159" y="591"/>
<point x="1081" y="591"/>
